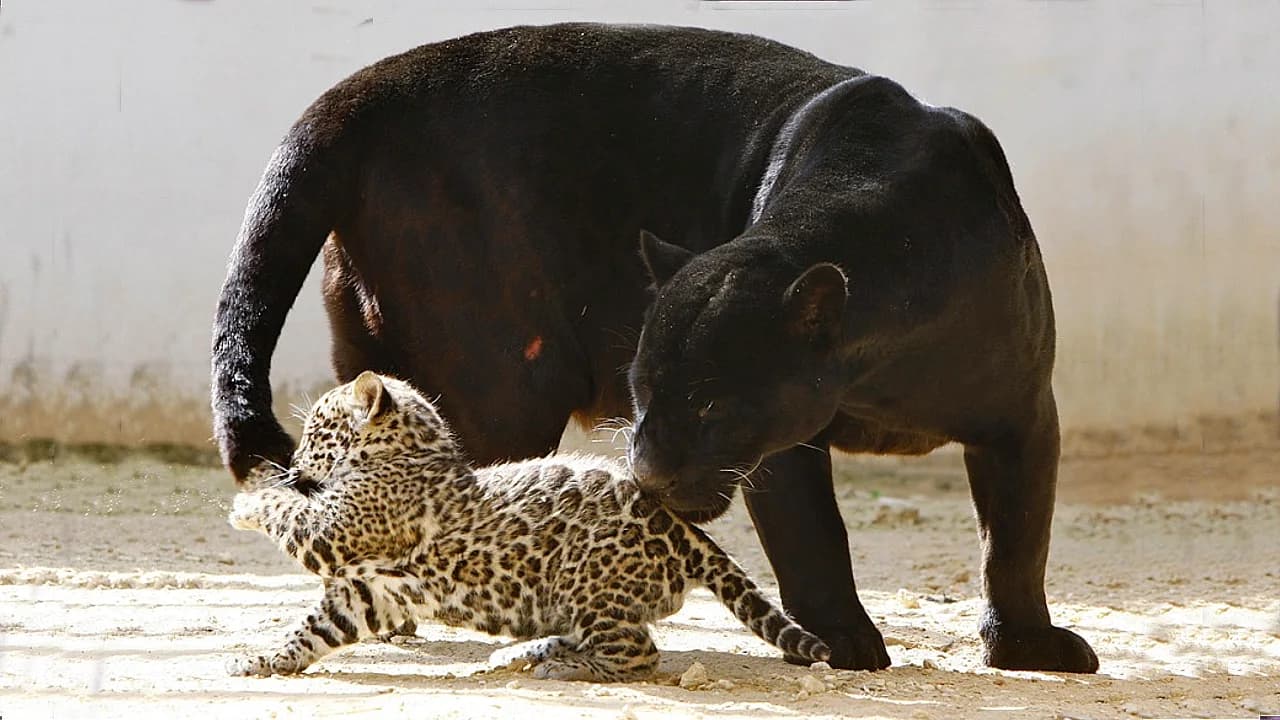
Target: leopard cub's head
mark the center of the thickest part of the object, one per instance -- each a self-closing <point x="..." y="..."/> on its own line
<point x="367" y="422"/>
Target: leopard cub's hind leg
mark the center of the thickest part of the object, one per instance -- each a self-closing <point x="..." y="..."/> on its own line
<point x="610" y="651"/>
<point x="529" y="653"/>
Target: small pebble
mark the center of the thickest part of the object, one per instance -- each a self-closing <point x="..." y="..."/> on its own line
<point x="820" y="665"/>
<point x="513" y="685"/>
<point x="695" y="677"/>
<point x="908" y="599"/>
<point x="1256" y="705"/>
<point x="893" y="512"/>
<point x="812" y="685"/>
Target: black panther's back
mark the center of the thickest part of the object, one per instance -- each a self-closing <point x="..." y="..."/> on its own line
<point x="484" y="196"/>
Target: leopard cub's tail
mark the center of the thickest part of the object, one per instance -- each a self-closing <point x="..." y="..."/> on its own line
<point x="729" y="582"/>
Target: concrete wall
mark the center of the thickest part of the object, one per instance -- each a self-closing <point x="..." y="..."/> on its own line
<point x="1144" y="138"/>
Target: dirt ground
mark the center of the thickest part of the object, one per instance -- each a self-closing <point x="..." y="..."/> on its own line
<point x="123" y="592"/>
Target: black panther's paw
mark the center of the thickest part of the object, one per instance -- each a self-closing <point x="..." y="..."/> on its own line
<point x="1037" y="648"/>
<point x="852" y="648"/>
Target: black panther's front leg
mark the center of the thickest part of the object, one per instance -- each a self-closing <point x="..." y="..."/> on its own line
<point x="1013" y="481"/>
<point x="794" y="509"/>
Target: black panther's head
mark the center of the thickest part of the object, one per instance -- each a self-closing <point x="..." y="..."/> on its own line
<point x="737" y="360"/>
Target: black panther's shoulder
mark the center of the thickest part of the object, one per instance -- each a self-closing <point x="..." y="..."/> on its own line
<point x="872" y="126"/>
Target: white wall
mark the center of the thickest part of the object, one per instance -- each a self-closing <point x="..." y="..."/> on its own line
<point x="1144" y="138"/>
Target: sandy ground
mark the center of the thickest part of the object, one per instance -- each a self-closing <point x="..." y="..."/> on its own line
<point x="123" y="592"/>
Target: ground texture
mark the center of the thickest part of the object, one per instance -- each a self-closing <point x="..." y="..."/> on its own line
<point x="123" y="592"/>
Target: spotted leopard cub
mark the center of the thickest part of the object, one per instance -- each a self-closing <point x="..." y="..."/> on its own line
<point x="562" y="552"/>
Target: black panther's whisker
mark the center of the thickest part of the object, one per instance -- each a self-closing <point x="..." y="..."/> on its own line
<point x="751" y="483"/>
<point x="743" y="474"/>
<point x="627" y="338"/>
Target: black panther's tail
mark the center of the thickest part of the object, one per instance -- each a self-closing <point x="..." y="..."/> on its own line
<point x="286" y="223"/>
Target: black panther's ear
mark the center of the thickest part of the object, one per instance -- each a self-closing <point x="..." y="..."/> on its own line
<point x="371" y="396"/>
<point x="661" y="258"/>
<point x="814" y="304"/>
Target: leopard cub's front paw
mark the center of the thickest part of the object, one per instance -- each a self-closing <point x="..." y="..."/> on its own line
<point x="244" y="515"/>
<point x="263" y="666"/>
<point x="249" y="666"/>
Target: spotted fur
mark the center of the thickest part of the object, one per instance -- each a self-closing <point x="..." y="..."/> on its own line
<point x="563" y="552"/>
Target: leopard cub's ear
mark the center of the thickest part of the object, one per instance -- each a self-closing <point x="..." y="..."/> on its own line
<point x="371" y="397"/>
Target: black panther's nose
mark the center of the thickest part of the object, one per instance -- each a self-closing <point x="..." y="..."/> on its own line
<point x="652" y="475"/>
<point x="650" y="479"/>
